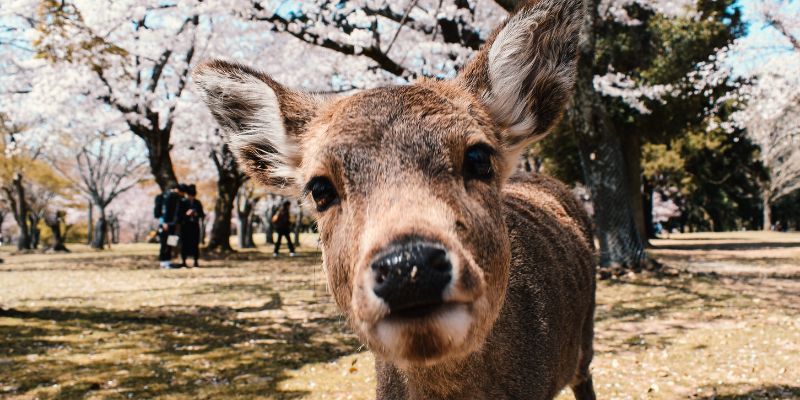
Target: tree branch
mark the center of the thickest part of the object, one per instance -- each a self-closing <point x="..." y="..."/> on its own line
<point x="382" y="59"/>
<point x="402" y="23"/>
<point x="109" y="99"/>
<point x="158" y="69"/>
<point x="781" y="27"/>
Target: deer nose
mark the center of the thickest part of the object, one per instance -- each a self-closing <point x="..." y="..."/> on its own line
<point x="412" y="276"/>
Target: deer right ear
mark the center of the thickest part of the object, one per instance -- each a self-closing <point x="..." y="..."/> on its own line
<point x="525" y="72"/>
<point x="265" y="120"/>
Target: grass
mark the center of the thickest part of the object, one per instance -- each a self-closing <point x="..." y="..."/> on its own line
<point x="110" y="325"/>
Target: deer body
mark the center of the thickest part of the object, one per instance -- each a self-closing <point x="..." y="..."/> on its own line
<point x="464" y="281"/>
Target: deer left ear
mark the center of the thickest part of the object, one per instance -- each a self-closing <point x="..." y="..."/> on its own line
<point x="525" y="72"/>
<point x="265" y="120"/>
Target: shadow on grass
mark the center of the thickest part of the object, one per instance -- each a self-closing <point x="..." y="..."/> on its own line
<point x="261" y="254"/>
<point x="632" y="320"/>
<point x="205" y="352"/>
<point x="101" y="260"/>
<point x="97" y="261"/>
<point x="764" y="392"/>
<point x="680" y="295"/>
<point x="694" y="244"/>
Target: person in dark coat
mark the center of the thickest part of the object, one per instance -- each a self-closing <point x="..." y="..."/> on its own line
<point x="282" y="224"/>
<point x="166" y="207"/>
<point x="190" y="215"/>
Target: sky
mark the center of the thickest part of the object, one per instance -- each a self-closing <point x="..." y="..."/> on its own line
<point x="762" y="42"/>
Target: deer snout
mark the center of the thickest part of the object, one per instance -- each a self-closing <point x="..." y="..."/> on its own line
<point x="412" y="277"/>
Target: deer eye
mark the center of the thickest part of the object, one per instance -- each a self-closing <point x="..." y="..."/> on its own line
<point x="478" y="162"/>
<point x="323" y="192"/>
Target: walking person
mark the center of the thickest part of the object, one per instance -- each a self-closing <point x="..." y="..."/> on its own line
<point x="190" y="215"/>
<point x="166" y="207"/>
<point x="282" y="224"/>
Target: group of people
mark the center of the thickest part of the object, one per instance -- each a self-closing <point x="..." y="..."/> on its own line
<point x="179" y="215"/>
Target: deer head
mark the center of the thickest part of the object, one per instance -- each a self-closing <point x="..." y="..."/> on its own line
<point x="407" y="180"/>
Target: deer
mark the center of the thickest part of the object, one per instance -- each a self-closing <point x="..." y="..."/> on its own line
<point x="465" y="279"/>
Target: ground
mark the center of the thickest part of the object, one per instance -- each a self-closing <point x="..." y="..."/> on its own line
<point x="110" y="325"/>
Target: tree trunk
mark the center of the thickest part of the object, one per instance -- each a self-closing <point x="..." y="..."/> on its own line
<point x="158" y="148"/>
<point x="35" y="232"/>
<point x="245" y="224"/>
<point x="113" y="224"/>
<point x="223" y="212"/>
<point x="90" y="226"/>
<point x="2" y="220"/>
<point x="100" y="231"/>
<point x="20" y="210"/>
<point x="632" y="148"/>
<point x="269" y="228"/>
<point x="603" y="160"/>
<point x="298" y="224"/>
<point x="202" y="231"/>
<point x="647" y="200"/>
<point x="161" y="162"/>
<point x="54" y="223"/>
<point x="767" y="224"/>
<point x="249" y="242"/>
<point x="229" y="179"/>
<point x="717" y="220"/>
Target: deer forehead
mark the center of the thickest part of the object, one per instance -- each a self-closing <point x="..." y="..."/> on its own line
<point x="429" y="123"/>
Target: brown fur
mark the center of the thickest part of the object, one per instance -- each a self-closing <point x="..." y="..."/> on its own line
<point x="517" y="315"/>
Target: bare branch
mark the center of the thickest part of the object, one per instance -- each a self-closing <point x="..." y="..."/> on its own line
<point x="109" y="99"/>
<point x="105" y="173"/>
<point x="402" y="23"/>
<point x="781" y="27"/>
<point x="158" y="69"/>
<point x="382" y="59"/>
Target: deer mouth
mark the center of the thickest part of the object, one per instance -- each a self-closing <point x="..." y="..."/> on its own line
<point x="423" y="334"/>
<point x="420" y="311"/>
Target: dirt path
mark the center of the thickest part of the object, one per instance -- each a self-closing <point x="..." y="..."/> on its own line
<point x="109" y="325"/>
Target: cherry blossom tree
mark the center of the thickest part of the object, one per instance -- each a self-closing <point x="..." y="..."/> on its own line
<point x="771" y="119"/>
<point x="135" y="58"/>
<point x="26" y="183"/>
<point x="103" y="171"/>
<point x="13" y="188"/>
<point x="388" y="42"/>
<point x="769" y="102"/>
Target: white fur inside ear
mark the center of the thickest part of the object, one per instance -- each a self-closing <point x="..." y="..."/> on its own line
<point x="508" y="68"/>
<point x="250" y="109"/>
<point x="523" y="55"/>
<point x="265" y="130"/>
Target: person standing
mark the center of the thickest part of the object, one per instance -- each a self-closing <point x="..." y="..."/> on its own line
<point x="281" y="221"/>
<point x="166" y="207"/>
<point x="190" y="215"/>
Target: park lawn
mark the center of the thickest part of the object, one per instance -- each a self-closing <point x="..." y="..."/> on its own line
<point x="110" y="325"/>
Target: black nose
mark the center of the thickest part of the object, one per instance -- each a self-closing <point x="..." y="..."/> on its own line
<point x="412" y="276"/>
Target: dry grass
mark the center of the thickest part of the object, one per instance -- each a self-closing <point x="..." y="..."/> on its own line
<point x="110" y="325"/>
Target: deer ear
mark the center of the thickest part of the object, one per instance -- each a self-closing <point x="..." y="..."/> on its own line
<point x="265" y="121"/>
<point x="525" y="72"/>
